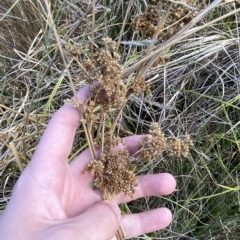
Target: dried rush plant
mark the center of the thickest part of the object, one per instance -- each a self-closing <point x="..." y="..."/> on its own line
<point x="108" y="97"/>
<point x="109" y="94"/>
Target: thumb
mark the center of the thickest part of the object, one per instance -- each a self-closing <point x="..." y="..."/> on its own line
<point x="99" y="222"/>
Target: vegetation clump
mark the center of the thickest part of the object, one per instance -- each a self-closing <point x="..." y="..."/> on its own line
<point x="177" y="15"/>
<point x="109" y="95"/>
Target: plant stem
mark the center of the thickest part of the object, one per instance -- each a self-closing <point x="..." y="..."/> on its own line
<point x="89" y="139"/>
<point x="123" y="25"/>
<point x="93" y="26"/>
<point x="117" y="118"/>
<point x="103" y="125"/>
<point x="100" y="124"/>
<point x="120" y="234"/>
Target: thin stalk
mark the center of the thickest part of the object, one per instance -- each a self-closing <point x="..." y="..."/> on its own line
<point x="100" y="125"/>
<point x="90" y="126"/>
<point x="124" y="24"/>
<point x="89" y="139"/>
<point x="103" y="131"/>
<point x="120" y="234"/>
<point x="90" y="131"/>
<point x="93" y="26"/>
<point x="112" y="129"/>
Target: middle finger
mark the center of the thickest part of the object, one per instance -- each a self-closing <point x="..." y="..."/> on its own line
<point x="150" y="185"/>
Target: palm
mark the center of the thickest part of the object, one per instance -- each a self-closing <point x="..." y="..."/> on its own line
<point x="51" y="192"/>
<point x="77" y="188"/>
<point x="67" y="188"/>
<point x="71" y="185"/>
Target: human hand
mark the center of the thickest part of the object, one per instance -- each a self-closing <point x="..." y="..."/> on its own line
<point x="53" y="199"/>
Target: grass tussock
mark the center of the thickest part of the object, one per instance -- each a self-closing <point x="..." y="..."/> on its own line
<point x="178" y="70"/>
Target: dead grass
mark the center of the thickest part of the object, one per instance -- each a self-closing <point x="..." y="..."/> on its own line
<point x="196" y="92"/>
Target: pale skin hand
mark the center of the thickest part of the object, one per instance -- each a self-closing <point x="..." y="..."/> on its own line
<point x="54" y="200"/>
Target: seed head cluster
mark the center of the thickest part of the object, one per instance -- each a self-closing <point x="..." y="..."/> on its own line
<point x="73" y="50"/>
<point x="108" y="93"/>
<point x="154" y="144"/>
<point x="160" y="61"/>
<point x="113" y="173"/>
<point x="180" y="14"/>
<point x="139" y="85"/>
<point x="147" y="22"/>
<point x="104" y="68"/>
<point x="180" y="147"/>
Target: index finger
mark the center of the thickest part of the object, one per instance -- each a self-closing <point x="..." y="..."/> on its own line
<point x="56" y="142"/>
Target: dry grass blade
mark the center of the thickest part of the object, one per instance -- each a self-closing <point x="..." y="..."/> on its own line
<point x="16" y="155"/>
<point x="93" y="25"/>
<point x="124" y="24"/>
